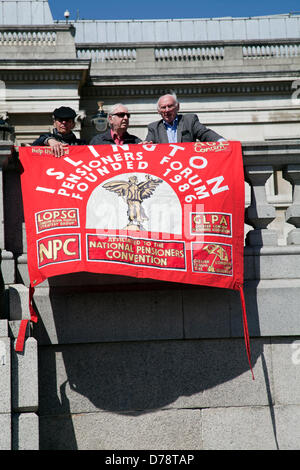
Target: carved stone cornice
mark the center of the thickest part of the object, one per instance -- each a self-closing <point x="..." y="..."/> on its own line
<point x="41" y="76"/>
<point x="279" y="153"/>
<point x="190" y="89"/>
<point x="238" y="42"/>
<point x="44" y="70"/>
<point x="36" y="27"/>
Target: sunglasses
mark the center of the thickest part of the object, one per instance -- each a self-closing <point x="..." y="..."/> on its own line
<point x="64" y="119"/>
<point x="121" y="115"/>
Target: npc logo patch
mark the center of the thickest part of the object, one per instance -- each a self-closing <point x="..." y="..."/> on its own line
<point x="58" y="249"/>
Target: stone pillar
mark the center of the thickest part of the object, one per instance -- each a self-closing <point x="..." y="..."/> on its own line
<point x="233" y="55"/>
<point x="18" y="371"/>
<point x="145" y="57"/>
<point x="5" y="387"/>
<point x="292" y="174"/>
<point x="7" y="261"/>
<point x="260" y="213"/>
<point x="18" y="392"/>
<point x="25" y="422"/>
<point x="5" y="341"/>
<point x="5" y="153"/>
<point x="24" y="380"/>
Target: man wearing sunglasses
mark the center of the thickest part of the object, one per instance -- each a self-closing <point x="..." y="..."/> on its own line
<point x="62" y="135"/>
<point x="118" y="119"/>
<point x="174" y="127"/>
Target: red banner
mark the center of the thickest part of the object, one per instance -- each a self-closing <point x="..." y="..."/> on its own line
<point x="173" y="212"/>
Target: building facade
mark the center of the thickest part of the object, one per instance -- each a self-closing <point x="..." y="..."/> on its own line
<point x="171" y="373"/>
<point x="238" y="74"/>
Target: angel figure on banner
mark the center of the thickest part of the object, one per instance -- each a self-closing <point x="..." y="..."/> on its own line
<point x="133" y="194"/>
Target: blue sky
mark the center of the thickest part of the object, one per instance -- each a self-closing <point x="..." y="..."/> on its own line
<point x="155" y="9"/>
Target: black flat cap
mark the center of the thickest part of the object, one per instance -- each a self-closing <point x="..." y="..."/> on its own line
<point x="64" y="113"/>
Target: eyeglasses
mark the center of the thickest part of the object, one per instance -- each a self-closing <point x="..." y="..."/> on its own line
<point x="121" y="115"/>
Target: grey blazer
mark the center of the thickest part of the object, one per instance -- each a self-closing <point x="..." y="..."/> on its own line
<point x="189" y="129"/>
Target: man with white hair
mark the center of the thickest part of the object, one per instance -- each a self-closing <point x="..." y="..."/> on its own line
<point x="118" y="119"/>
<point x="174" y="127"/>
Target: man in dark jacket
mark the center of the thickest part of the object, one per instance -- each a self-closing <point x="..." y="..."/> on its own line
<point x="118" y="119"/>
<point x="174" y="127"/>
<point x="62" y="135"/>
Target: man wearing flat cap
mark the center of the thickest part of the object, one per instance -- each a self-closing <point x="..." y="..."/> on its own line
<point x="62" y="135"/>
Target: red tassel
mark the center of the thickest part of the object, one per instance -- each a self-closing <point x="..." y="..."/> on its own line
<point x="23" y="325"/>
<point x="245" y="325"/>
<point x="33" y="315"/>
<point x="21" y="336"/>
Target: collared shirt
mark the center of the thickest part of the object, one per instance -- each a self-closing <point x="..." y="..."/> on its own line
<point x="172" y="130"/>
<point x="116" y="138"/>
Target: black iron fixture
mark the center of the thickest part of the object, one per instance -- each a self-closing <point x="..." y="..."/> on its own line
<point x="100" y="119"/>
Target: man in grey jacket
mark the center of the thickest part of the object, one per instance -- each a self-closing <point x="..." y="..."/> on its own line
<point x="174" y="127"/>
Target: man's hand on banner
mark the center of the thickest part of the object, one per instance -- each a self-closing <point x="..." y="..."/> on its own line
<point x="57" y="147"/>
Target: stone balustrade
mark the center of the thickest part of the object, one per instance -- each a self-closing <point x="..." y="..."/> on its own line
<point x="263" y="162"/>
<point x="258" y="51"/>
<point x="136" y="54"/>
<point x="31" y="40"/>
<point x="98" y="54"/>
<point x="27" y="38"/>
<point x="219" y="53"/>
<point x="28" y="42"/>
<point x="186" y="54"/>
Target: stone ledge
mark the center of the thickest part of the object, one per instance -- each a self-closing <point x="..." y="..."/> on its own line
<point x="5" y="434"/>
<point x="176" y="429"/>
<point x="238" y="429"/>
<point x="66" y="317"/>
<point x="25" y="432"/>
